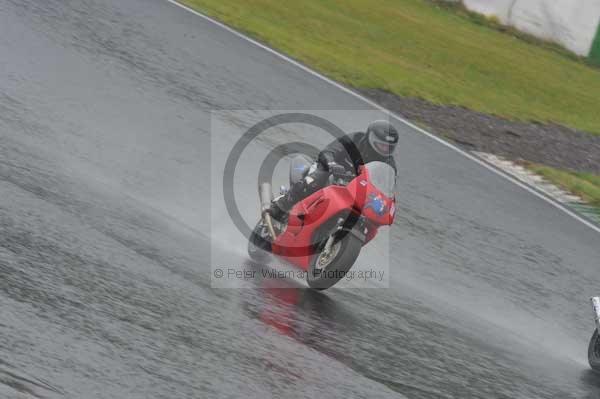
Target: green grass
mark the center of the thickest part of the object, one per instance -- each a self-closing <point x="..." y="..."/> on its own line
<point x="417" y="48"/>
<point x="585" y="185"/>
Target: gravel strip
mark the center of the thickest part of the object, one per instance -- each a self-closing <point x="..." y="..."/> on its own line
<point x="547" y="144"/>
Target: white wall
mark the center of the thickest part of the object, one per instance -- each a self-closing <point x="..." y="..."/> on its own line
<point x="499" y="8"/>
<point x="572" y="23"/>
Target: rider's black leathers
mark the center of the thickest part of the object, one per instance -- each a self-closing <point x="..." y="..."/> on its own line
<point x="349" y="152"/>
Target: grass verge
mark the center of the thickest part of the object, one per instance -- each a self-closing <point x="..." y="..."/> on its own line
<point x="420" y="49"/>
<point x="585" y="185"/>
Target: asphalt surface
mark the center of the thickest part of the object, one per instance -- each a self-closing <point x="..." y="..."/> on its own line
<point x="106" y="236"/>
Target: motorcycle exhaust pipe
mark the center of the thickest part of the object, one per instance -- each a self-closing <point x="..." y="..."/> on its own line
<point x="266" y="198"/>
<point x="596" y="305"/>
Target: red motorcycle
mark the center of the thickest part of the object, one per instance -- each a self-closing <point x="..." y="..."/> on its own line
<point x="594" y="346"/>
<point x="324" y="233"/>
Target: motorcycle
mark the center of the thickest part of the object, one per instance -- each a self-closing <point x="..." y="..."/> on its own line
<point x="324" y="233"/>
<point x="594" y="346"/>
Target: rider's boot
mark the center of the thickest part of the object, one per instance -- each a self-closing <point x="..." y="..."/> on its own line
<point x="280" y="208"/>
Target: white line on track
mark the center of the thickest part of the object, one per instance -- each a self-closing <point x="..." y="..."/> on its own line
<point x="395" y="116"/>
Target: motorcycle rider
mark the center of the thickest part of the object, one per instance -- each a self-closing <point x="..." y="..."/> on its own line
<point x="345" y="154"/>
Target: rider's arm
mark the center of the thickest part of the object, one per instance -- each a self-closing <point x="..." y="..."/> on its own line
<point x="326" y="159"/>
<point x="342" y="152"/>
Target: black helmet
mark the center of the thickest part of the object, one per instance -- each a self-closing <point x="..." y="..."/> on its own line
<point x="382" y="137"/>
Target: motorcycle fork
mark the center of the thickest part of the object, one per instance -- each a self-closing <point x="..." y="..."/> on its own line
<point x="330" y="240"/>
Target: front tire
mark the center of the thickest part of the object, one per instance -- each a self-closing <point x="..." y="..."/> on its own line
<point x="324" y="274"/>
<point x="594" y="352"/>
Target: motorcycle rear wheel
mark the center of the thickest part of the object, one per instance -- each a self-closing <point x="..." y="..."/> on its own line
<point x="594" y="352"/>
<point x="259" y="245"/>
<point x="344" y="254"/>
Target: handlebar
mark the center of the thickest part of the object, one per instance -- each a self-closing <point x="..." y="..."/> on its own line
<point x="340" y="175"/>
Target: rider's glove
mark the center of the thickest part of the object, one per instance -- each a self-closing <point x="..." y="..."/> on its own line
<point x="336" y="170"/>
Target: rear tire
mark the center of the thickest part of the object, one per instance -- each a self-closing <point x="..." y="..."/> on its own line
<point x="336" y="269"/>
<point x="259" y="247"/>
<point x="594" y="352"/>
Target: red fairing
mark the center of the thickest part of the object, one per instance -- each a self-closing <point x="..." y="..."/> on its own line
<point x="360" y="197"/>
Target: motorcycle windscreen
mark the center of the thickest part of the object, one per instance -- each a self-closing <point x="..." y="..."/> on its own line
<point x="382" y="176"/>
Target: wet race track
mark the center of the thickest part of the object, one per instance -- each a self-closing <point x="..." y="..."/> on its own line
<point x="106" y="236"/>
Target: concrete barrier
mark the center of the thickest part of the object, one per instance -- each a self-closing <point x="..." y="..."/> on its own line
<point x="571" y="23"/>
<point x="498" y="8"/>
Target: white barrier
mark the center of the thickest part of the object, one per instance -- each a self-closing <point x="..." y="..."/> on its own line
<point x="571" y="23"/>
<point x="498" y="8"/>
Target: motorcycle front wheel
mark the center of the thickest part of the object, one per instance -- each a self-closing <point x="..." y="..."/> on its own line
<point x="327" y="269"/>
<point x="594" y="352"/>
